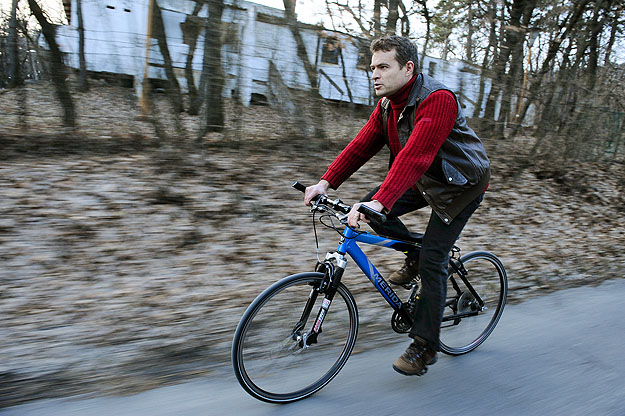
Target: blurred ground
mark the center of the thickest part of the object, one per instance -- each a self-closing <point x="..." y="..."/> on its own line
<point x="128" y="260"/>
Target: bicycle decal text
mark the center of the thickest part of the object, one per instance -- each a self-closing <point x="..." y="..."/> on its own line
<point x="322" y="313"/>
<point x="386" y="290"/>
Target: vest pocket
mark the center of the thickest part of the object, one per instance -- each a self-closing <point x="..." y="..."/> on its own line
<point x="452" y="175"/>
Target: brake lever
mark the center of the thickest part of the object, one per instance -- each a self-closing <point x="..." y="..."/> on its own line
<point x="318" y="208"/>
<point x="319" y="204"/>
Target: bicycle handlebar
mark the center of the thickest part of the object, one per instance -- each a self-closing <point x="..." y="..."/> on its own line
<point x="340" y="206"/>
<point x="372" y="213"/>
<point x="299" y="186"/>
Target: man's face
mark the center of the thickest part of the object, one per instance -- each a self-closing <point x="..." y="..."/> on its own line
<point x="388" y="77"/>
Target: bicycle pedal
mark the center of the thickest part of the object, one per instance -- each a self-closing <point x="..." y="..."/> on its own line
<point x="409" y="286"/>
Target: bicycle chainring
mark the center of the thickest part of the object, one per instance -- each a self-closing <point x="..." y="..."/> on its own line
<point x="399" y="324"/>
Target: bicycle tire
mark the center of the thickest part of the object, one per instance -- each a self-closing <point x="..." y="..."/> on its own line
<point x="465" y="327"/>
<point x="269" y="363"/>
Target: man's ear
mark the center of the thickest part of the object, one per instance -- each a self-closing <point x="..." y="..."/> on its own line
<point x="410" y="67"/>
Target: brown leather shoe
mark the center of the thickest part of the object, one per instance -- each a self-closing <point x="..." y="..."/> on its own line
<point x="415" y="360"/>
<point x="409" y="271"/>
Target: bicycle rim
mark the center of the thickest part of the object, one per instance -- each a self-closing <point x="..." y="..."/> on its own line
<point x="465" y="325"/>
<point x="268" y="359"/>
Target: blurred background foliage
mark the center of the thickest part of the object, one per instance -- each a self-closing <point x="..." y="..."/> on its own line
<point x="556" y="67"/>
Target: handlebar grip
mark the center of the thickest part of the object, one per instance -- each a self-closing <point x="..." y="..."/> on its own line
<point x="372" y="214"/>
<point x="299" y="186"/>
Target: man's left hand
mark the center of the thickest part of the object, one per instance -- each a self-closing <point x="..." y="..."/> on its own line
<point x="354" y="216"/>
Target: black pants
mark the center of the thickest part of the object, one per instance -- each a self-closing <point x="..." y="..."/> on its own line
<point x="438" y="240"/>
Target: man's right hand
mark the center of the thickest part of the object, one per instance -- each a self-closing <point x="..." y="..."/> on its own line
<point x="319" y="189"/>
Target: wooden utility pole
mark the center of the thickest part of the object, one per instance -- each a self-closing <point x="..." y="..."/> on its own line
<point x="144" y="99"/>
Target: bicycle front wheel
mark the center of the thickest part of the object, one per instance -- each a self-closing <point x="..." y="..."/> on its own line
<point x="271" y="357"/>
<point x="475" y="302"/>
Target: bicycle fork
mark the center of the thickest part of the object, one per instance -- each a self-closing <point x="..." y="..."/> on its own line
<point x="328" y="286"/>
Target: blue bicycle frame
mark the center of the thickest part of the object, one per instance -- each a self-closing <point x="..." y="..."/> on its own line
<point x="348" y="245"/>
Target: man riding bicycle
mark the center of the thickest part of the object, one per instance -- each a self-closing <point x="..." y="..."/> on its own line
<point x="436" y="160"/>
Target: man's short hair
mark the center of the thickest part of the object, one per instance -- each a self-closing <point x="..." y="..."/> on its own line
<point x="405" y="50"/>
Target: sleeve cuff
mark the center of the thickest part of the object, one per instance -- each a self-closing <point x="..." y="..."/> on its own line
<point x="385" y="200"/>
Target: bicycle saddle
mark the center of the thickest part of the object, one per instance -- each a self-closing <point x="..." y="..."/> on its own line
<point x="412" y="238"/>
<point x="415" y="238"/>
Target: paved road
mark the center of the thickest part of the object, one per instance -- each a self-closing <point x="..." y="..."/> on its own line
<point x="560" y="354"/>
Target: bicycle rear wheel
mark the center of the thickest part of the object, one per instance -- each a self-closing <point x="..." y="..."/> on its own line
<point x="268" y="353"/>
<point x="467" y="322"/>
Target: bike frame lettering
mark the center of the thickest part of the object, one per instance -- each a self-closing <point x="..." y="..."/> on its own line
<point x="322" y="313"/>
<point x="348" y="245"/>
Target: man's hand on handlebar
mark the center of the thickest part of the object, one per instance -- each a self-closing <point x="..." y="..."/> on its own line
<point x="319" y="189"/>
<point x="354" y="216"/>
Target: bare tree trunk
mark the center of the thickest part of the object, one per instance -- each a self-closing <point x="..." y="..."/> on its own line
<point x="492" y="45"/>
<point x="613" y="30"/>
<point x="173" y="88"/>
<point x="311" y="72"/>
<point x="35" y="65"/>
<point x="428" y="31"/>
<point x="83" y="84"/>
<point x="511" y="38"/>
<point x="14" y="67"/>
<point x="579" y="121"/>
<point x="393" y="16"/>
<point x="554" y="46"/>
<point x="190" y="31"/>
<point x="23" y="106"/>
<point x="469" y="43"/>
<point x="405" y="22"/>
<point x="212" y="90"/>
<point x="596" y="27"/>
<point x="554" y="92"/>
<point x="516" y="66"/>
<point x="58" y="70"/>
<point x="345" y="80"/>
<point x="377" y="18"/>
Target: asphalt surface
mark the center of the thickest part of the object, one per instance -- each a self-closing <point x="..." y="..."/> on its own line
<point x="558" y="354"/>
